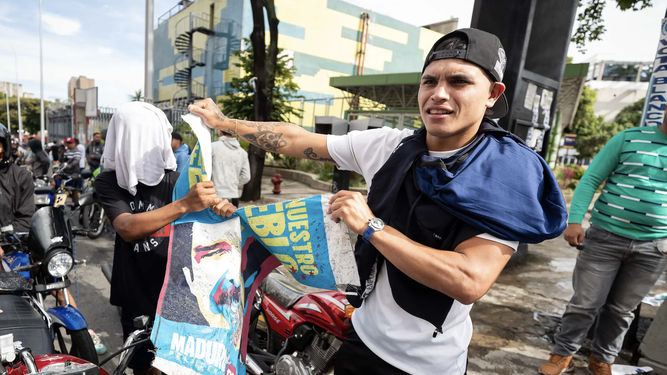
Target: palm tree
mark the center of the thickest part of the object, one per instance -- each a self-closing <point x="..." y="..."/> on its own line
<point x="138" y="96"/>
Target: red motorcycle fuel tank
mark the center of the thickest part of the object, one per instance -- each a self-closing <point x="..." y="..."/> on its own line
<point x="325" y="309"/>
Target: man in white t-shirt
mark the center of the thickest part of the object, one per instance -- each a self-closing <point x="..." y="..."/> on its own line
<point x="421" y="265"/>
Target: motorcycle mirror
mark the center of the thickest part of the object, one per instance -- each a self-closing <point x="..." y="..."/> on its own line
<point x="141" y="321"/>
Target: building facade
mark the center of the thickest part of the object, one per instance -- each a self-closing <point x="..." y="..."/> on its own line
<point x="323" y="37"/>
<point x="619" y="81"/>
<point x="11" y="89"/>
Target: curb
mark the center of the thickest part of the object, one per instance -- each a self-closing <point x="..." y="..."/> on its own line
<point x="305" y="178"/>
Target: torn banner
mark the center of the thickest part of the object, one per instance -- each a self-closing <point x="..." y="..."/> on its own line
<point x="215" y="266"/>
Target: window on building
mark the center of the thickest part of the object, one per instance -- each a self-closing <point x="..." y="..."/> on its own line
<point x="620" y="71"/>
<point x="645" y="73"/>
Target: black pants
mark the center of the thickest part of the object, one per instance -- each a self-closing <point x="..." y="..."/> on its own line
<point x="354" y="358"/>
<point x="234" y="201"/>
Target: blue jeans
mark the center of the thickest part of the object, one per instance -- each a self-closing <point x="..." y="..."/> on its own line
<point x="612" y="275"/>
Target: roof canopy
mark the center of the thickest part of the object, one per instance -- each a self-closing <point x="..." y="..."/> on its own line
<point x="395" y="91"/>
<point x="398" y="91"/>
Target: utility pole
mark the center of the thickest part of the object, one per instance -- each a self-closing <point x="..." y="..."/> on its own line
<point x="9" y="125"/>
<point x="18" y="96"/>
<point x="148" y="68"/>
<point x="41" y="79"/>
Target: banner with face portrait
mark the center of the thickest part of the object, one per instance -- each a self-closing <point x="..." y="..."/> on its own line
<point x="215" y="266"/>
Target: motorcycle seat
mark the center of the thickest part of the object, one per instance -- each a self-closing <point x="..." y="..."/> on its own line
<point x="13" y="282"/>
<point x="27" y="325"/>
<point x="284" y="289"/>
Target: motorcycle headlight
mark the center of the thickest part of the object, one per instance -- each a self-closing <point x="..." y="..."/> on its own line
<point x="60" y="265"/>
<point x="42" y="199"/>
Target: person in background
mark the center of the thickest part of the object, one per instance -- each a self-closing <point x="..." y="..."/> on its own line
<point x="94" y="151"/>
<point x="72" y="160"/>
<point x="16" y="191"/>
<point x="41" y="165"/>
<point x="230" y="167"/>
<point x="82" y="150"/>
<point x="137" y="198"/>
<point x="625" y="248"/>
<point x="181" y="151"/>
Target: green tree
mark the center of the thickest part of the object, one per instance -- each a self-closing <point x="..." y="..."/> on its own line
<point x="630" y="116"/>
<point x="593" y="132"/>
<point x="591" y="25"/>
<point x="30" y="111"/>
<point x="239" y="100"/>
<point x="137" y="96"/>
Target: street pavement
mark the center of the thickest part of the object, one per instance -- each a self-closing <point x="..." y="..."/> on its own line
<point x="514" y="322"/>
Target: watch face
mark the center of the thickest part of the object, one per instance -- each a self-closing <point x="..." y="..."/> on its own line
<point x="376" y="223"/>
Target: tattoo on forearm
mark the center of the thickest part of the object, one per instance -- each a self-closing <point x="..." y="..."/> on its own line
<point x="310" y="154"/>
<point x="266" y="139"/>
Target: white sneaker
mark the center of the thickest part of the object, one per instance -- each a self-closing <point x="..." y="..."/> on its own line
<point x="100" y="348"/>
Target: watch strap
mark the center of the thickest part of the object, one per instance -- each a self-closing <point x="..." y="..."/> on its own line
<point x="368" y="233"/>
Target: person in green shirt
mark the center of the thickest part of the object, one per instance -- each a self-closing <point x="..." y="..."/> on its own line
<point x="624" y="250"/>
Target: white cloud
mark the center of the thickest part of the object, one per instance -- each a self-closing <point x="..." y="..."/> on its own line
<point x="60" y="25"/>
<point x="117" y="75"/>
<point x="104" y="50"/>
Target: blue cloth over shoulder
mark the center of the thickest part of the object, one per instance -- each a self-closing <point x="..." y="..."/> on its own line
<point x="501" y="186"/>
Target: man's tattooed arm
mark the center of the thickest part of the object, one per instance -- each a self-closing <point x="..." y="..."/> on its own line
<point x="310" y="154"/>
<point x="266" y="139"/>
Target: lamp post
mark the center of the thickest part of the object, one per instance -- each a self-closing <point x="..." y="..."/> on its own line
<point x="18" y="97"/>
<point x="148" y="68"/>
<point x="41" y="79"/>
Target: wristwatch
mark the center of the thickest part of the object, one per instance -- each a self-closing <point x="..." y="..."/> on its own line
<point x="374" y="224"/>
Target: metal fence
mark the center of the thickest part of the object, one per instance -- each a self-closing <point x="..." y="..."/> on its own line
<point x="61" y="125"/>
<point x="100" y="122"/>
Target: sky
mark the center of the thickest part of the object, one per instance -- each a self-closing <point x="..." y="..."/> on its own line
<point x="104" y="39"/>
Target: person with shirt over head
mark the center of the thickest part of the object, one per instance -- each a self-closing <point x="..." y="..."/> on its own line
<point x="181" y="151"/>
<point x="487" y="189"/>
<point x="231" y="168"/>
<point x="136" y="192"/>
<point x="624" y="250"/>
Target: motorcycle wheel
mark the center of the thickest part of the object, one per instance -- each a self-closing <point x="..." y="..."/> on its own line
<point x="93" y="219"/>
<point x="82" y="345"/>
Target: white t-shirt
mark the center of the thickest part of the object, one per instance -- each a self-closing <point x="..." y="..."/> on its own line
<point x="399" y="338"/>
<point x="82" y="150"/>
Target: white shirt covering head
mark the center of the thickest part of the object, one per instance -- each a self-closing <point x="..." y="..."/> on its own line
<point x="138" y="146"/>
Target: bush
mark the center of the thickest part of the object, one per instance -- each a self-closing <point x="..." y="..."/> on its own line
<point x="571" y="174"/>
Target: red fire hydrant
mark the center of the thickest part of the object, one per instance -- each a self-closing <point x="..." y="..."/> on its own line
<point x="276" y="180"/>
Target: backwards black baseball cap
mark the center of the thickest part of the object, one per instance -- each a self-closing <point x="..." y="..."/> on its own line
<point x="484" y="50"/>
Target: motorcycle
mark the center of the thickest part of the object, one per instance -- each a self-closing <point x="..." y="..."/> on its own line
<point x="19" y="360"/>
<point x="294" y="329"/>
<point x="38" y="264"/>
<point x="51" y="192"/>
<point x="92" y="212"/>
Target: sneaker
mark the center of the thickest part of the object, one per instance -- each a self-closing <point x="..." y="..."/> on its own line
<point x="598" y="368"/>
<point x="557" y="365"/>
<point x="100" y="348"/>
